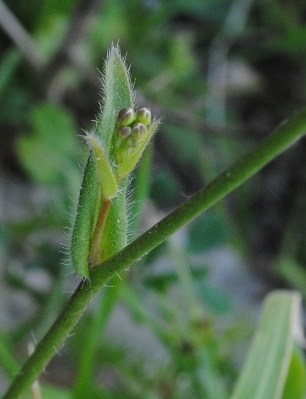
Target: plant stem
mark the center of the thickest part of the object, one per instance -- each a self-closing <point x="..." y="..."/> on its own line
<point x="286" y="135"/>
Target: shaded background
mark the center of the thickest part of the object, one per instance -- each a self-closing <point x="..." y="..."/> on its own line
<point x="222" y="74"/>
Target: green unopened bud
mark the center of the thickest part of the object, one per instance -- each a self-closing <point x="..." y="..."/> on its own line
<point x="134" y="147"/>
<point x="139" y="131"/>
<point x="132" y="141"/>
<point x="129" y="139"/>
<point x="121" y="135"/>
<point x="126" y="117"/>
<point x="144" y="116"/>
<point x="124" y="131"/>
<point x="123" y="148"/>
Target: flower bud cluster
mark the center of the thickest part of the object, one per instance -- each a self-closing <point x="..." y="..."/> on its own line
<point x="131" y="129"/>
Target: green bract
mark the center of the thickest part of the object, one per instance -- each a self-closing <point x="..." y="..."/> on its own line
<point x="116" y="145"/>
<point x="107" y="179"/>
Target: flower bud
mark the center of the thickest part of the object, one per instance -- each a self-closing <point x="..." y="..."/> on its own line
<point x="124" y="131"/>
<point x="132" y="141"/>
<point x="139" y="130"/>
<point x="126" y="117"/>
<point x="144" y="116"/>
<point x="121" y="135"/>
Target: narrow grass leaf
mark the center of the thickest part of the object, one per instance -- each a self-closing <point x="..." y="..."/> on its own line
<point x="295" y="386"/>
<point x="265" y="371"/>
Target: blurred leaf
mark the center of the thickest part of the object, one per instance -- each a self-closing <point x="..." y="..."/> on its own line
<point x="291" y="41"/>
<point x="207" y="232"/>
<point x="165" y="187"/>
<point x="182" y="61"/>
<point x="111" y="24"/>
<point x="8" y="66"/>
<point x="7" y="361"/>
<point x="209" y="378"/>
<point x="296" y="379"/>
<point x="49" y="152"/>
<point x="213" y="297"/>
<point x="15" y="105"/>
<point x="267" y="366"/>
<point x="186" y="144"/>
<point x="58" y="6"/>
<point x="50" y="33"/>
<point x="50" y="392"/>
<point x="161" y="282"/>
<point x="209" y="8"/>
<point x="292" y="272"/>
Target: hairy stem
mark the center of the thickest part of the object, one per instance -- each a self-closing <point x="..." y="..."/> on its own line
<point x="286" y="135"/>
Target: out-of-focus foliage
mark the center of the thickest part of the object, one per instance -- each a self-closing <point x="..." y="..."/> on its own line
<point x="53" y="139"/>
<point x="274" y="353"/>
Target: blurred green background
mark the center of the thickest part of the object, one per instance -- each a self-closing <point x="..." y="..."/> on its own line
<point x="222" y="74"/>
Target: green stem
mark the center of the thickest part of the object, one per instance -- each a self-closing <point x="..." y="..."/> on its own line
<point x="286" y="135"/>
<point x="7" y="361"/>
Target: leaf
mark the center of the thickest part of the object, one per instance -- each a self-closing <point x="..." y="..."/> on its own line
<point x="293" y="272"/>
<point x="85" y="219"/>
<point x="7" y="360"/>
<point x="296" y="379"/>
<point x="48" y="152"/>
<point x="50" y="392"/>
<point x="9" y="63"/>
<point x="267" y="366"/>
<point x="207" y="232"/>
<point x="117" y="94"/>
<point x="213" y="298"/>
